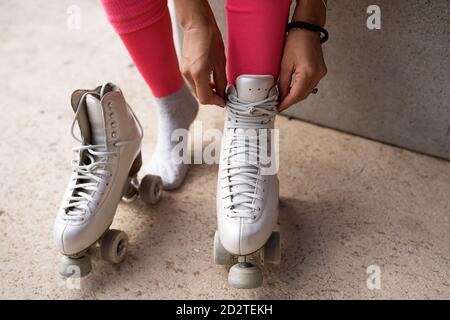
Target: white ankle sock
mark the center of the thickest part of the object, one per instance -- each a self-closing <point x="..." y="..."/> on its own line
<point x="176" y="111"/>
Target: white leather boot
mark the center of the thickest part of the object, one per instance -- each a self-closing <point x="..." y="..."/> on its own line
<point x="247" y="189"/>
<point x="105" y="171"/>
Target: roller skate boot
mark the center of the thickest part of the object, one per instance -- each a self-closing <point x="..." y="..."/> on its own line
<point x="247" y="189"/>
<point x="104" y="172"/>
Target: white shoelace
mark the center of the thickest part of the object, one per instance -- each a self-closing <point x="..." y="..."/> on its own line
<point x="87" y="179"/>
<point x="236" y="171"/>
<point x="90" y="174"/>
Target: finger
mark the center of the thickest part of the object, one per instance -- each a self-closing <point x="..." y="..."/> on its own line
<point x="212" y="85"/>
<point x="313" y="87"/>
<point x="318" y="76"/>
<point x="205" y="93"/>
<point x="218" y="101"/>
<point x="285" y="82"/>
<point x="220" y="80"/>
<point x="298" y="92"/>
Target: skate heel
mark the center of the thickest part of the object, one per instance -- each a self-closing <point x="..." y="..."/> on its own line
<point x="136" y="166"/>
<point x="149" y="189"/>
<point x="130" y="192"/>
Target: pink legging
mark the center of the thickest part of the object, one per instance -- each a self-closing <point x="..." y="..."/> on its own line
<point x="255" y="33"/>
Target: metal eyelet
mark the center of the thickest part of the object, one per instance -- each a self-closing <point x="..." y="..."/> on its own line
<point x="113" y="124"/>
<point x="114" y="134"/>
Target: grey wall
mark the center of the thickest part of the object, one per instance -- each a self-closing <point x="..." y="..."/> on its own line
<point x="392" y="84"/>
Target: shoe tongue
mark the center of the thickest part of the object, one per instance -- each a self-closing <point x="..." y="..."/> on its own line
<point x="96" y="120"/>
<point x="253" y="88"/>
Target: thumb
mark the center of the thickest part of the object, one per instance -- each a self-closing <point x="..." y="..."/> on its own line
<point x="285" y="82"/>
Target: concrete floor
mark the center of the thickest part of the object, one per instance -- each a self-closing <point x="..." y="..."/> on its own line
<point x="346" y="202"/>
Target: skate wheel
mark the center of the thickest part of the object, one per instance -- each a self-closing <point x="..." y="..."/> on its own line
<point x="130" y="194"/>
<point x="244" y="275"/>
<point x="272" y="249"/>
<point x="150" y="189"/>
<point x="74" y="267"/>
<point x="113" y="246"/>
<point x="221" y="255"/>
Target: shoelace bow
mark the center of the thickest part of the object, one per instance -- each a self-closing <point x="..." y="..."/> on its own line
<point x="236" y="171"/>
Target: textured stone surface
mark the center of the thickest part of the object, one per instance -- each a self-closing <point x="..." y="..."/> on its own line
<point x="347" y="202"/>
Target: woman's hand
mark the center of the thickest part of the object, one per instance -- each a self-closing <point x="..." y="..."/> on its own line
<point x="302" y="56"/>
<point x="203" y="55"/>
<point x="203" y="52"/>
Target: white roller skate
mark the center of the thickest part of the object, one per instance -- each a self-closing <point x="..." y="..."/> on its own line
<point x="105" y="171"/>
<point x="247" y="197"/>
